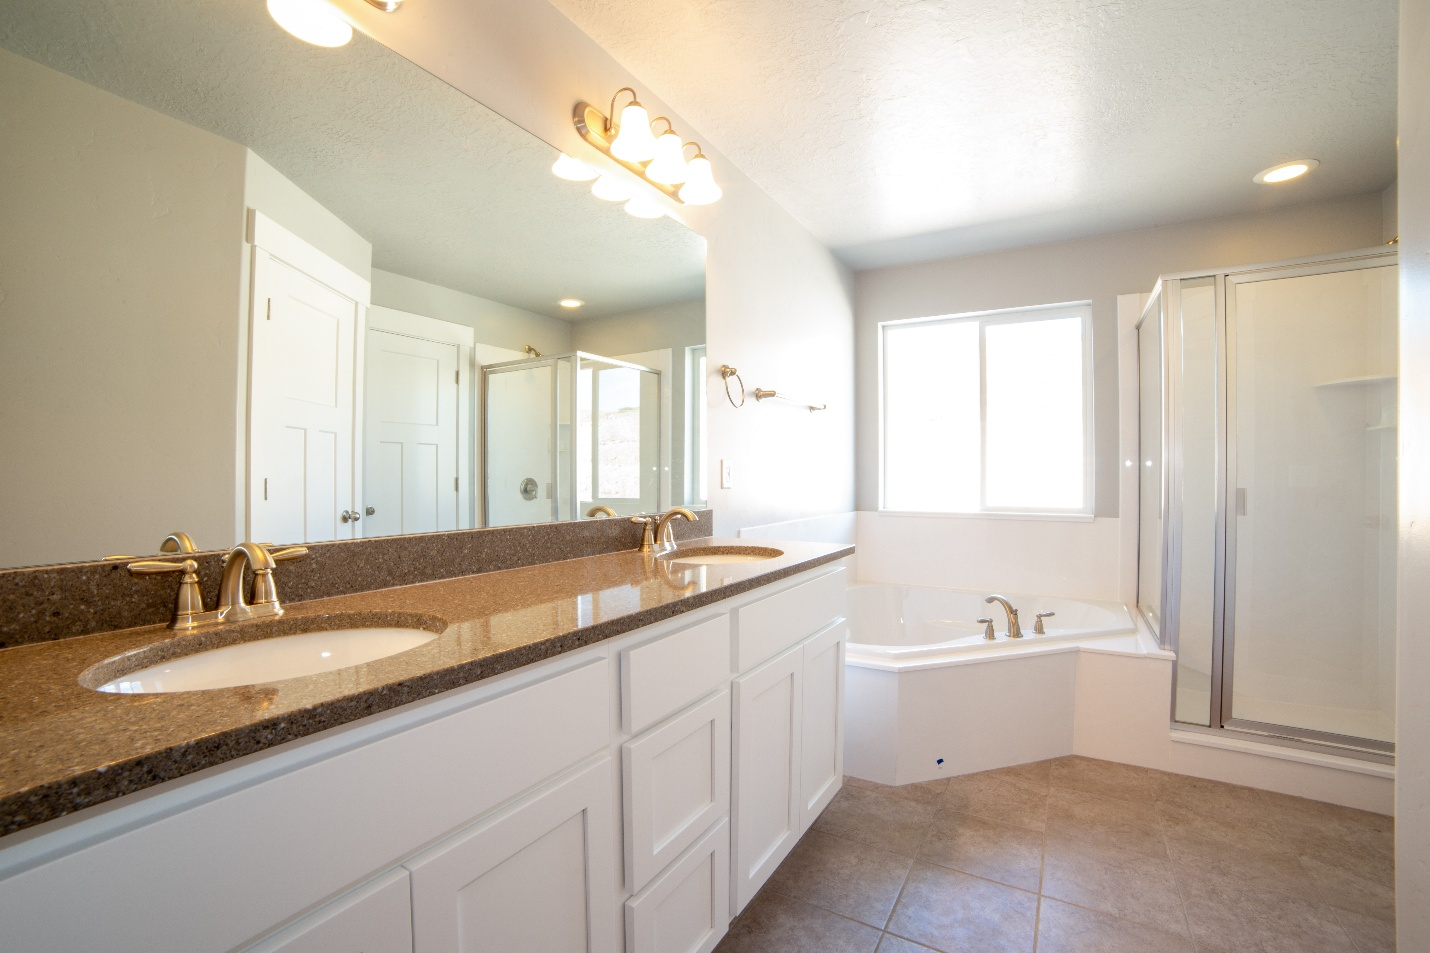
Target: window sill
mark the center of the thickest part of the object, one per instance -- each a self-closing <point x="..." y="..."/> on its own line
<point x="1042" y="517"/>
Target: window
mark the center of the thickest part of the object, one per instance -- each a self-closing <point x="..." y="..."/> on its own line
<point x="988" y="412"/>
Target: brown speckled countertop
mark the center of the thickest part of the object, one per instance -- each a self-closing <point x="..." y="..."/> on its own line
<point x="64" y="747"/>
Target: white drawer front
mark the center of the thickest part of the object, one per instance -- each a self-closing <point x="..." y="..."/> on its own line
<point x="768" y="627"/>
<point x="677" y="783"/>
<point x="665" y="675"/>
<point x="687" y="908"/>
<point x="375" y="918"/>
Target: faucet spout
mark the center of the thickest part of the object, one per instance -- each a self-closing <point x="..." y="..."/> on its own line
<point x="1015" y="631"/>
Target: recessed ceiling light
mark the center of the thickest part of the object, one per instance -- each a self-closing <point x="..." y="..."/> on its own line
<point x="1285" y="172"/>
<point x="570" y="302"/>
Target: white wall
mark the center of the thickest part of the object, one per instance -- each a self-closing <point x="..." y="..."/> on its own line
<point x="273" y="194"/>
<point x="497" y="324"/>
<point x="109" y="386"/>
<point x="1412" y="793"/>
<point x="778" y="303"/>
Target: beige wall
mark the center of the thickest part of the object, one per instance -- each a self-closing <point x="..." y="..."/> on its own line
<point x="496" y="324"/>
<point x="1412" y="767"/>
<point x="778" y="303"/>
<point x="109" y="385"/>
<point x="1096" y="269"/>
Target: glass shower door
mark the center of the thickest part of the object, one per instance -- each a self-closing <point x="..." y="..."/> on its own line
<point x="1310" y="498"/>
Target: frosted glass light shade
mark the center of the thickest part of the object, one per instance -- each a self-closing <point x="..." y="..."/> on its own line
<point x="668" y="166"/>
<point x="612" y="190"/>
<point x="312" y="21"/>
<point x="573" y="170"/>
<point x="643" y="206"/>
<point x="634" y="142"/>
<point x="699" y="187"/>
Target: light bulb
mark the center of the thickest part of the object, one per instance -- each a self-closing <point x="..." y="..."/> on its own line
<point x="643" y="206"/>
<point x="634" y="142"/>
<point x="699" y="187"/>
<point x="312" y="21"/>
<point x="1285" y="172"/>
<point x="612" y="190"/>
<point x="668" y="166"/>
<point x="570" y="302"/>
<point x="573" y="170"/>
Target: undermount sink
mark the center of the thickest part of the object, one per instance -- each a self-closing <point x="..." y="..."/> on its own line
<point x="269" y="660"/>
<point x="717" y="555"/>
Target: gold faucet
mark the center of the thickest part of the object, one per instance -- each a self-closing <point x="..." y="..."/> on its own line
<point x="596" y="511"/>
<point x="1015" y="631"/>
<point x="179" y="542"/>
<point x="664" y="532"/>
<point x="189" y="611"/>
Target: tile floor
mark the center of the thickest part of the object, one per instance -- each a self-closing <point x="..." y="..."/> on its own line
<point x="1077" y="856"/>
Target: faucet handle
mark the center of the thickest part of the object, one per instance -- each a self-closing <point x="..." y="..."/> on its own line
<point x="279" y="555"/>
<point x="988" y="632"/>
<point x="648" y="536"/>
<point x="189" y="604"/>
<point x="1038" y="622"/>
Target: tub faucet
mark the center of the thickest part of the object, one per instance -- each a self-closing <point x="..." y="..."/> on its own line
<point x="1015" y="631"/>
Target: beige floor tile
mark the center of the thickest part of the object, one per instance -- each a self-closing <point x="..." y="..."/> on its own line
<point x="876" y="818"/>
<point x="1216" y="799"/>
<point x="842" y="876"/>
<point x="1034" y="774"/>
<point x="990" y="795"/>
<point x="1229" y="917"/>
<point x="1347" y="890"/>
<point x="1063" y="928"/>
<point x="954" y="912"/>
<point x="897" y="944"/>
<point x="1123" y="824"/>
<point x="1369" y="934"/>
<point x="1123" y="883"/>
<point x="922" y="792"/>
<point x="774" y="923"/>
<point x="1007" y="854"/>
<point x="1251" y="862"/>
<point x="1109" y="779"/>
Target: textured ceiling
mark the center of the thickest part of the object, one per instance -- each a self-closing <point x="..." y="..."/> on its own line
<point x="446" y="190"/>
<point x="902" y="130"/>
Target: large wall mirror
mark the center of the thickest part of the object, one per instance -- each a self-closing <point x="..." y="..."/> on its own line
<point x="256" y="289"/>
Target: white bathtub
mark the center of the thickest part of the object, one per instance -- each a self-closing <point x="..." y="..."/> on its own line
<point x="908" y="623"/>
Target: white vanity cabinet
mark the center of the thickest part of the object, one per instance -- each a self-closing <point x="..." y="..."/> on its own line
<point x="630" y="795"/>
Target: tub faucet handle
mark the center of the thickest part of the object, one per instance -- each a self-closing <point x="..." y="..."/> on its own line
<point x="1038" y="622"/>
<point x="988" y="632"/>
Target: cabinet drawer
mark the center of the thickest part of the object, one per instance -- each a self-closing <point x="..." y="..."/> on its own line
<point x="687" y="908"/>
<point x="374" y="918"/>
<point x="677" y="783"/>
<point x="667" y="674"/>
<point x="768" y="627"/>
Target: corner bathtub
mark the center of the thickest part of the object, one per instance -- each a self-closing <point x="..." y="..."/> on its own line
<point x="926" y="696"/>
<point x="908" y="623"/>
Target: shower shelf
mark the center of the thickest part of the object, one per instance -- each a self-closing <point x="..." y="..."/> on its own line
<point x="1355" y="381"/>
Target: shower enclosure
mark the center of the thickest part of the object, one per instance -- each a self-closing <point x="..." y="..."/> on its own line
<point x="1267" y="465"/>
<point x="600" y="418"/>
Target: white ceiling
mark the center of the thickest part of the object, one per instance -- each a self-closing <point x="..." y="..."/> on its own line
<point x="906" y="130"/>
<point x="446" y="190"/>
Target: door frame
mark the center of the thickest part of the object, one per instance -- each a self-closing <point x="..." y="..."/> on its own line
<point x="437" y="331"/>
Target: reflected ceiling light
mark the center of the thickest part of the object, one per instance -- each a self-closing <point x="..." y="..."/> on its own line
<point x="317" y="21"/>
<point x="573" y="170"/>
<point x="643" y="206"/>
<point x="659" y="161"/>
<point x="1285" y="172"/>
<point x="570" y="302"/>
<point x="612" y="190"/>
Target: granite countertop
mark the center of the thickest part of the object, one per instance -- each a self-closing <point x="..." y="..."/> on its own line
<point x="64" y="747"/>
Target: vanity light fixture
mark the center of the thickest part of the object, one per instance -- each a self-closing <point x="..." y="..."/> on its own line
<point x="573" y="170"/>
<point x="1285" y="172"/>
<point x="570" y="302"/>
<point x="610" y="189"/>
<point x="643" y="206"/>
<point x="317" y="21"/>
<point x="659" y="161"/>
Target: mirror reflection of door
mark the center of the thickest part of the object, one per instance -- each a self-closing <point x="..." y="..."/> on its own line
<point x="618" y="464"/>
<point x="416" y="456"/>
<point x="520" y="445"/>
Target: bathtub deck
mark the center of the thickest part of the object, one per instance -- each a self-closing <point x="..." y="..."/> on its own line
<point x="1079" y="855"/>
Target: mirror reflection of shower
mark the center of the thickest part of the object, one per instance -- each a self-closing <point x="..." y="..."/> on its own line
<point x="568" y="432"/>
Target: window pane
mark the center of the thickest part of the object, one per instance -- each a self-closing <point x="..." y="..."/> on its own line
<point x="1034" y="391"/>
<point x="618" y="429"/>
<point x="931" y="417"/>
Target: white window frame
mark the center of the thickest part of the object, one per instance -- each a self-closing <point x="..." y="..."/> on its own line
<point x="1080" y="309"/>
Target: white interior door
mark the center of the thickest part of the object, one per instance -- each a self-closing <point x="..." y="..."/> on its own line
<point x="412" y="471"/>
<point x="304" y="337"/>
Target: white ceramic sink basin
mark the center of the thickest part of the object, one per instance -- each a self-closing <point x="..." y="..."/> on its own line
<point x="269" y="660"/>
<point x="718" y="555"/>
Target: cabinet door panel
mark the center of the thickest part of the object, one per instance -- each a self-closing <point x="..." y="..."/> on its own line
<point x="822" y="728"/>
<point x="687" y="908"/>
<point x="767" y="770"/>
<point x="539" y="876"/>
<point x="374" y="918"/>
<point x="677" y="783"/>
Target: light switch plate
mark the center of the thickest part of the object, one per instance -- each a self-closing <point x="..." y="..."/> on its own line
<point x="727" y="475"/>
